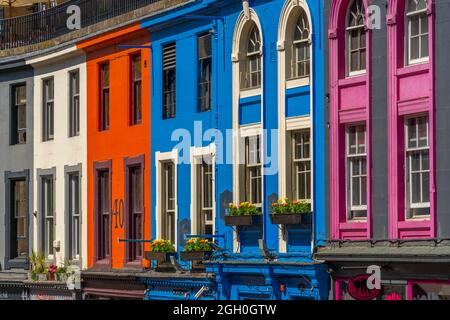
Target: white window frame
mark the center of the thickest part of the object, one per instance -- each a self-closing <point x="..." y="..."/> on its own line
<point x="408" y="172"/>
<point x="295" y="161"/>
<point x="197" y="154"/>
<point x="348" y="30"/>
<point x="296" y="46"/>
<point x="48" y="120"/>
<point x="249" y="166"/>
<point x="74" y="214"/>
<point x="420" y="35"/>
<point x="161" y="158"/>
<point x="246" y="62"/>
<point x="350" y="175"/>
<point x="47" y="218"/>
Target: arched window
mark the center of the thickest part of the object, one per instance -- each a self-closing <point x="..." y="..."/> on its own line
<point x="251" y="64"/>
<point x="417" y="31"/>
<point x="300" y="60"/>
<point x="356" y="38"/>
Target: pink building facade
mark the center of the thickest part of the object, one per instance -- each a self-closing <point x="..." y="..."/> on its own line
<point x="387" y="147"/>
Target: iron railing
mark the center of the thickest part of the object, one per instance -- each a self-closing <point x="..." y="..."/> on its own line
<point x="51" y="23"/>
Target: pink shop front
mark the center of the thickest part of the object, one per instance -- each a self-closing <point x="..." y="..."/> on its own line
<point x="406" y="272"/>
<point x="401" y="290"/>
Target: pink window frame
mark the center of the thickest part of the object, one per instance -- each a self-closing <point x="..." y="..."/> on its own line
<point x="399" y="227"/>
<point x="340" y="117"/>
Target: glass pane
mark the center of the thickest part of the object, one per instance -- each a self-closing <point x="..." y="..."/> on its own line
<point x="415" y="48"/>
<point x="137" y="67"/>
<point x="363" y="191"/>
<point x="354" y="61"/>
<point x="355" y="191"/>
<point x="426" y="187"/>
<point x="105" y="75"/>
<point x="412" y="136"/>
<point x="137" y="189"/>
<point x="415" y="162"/>
<point x="106" y="227"/>
<point x="425" y="160"/>
<point x="138" y="234"/>
<point x="76" y="237"/>
<point x="354" y="39"/>
<point x="105" y="195"/>
<point x="362" y="54"/>
<point x="414" y="25"/>
<point x="415" y="187"/>
<point x="204" y="46"/>
<point x="21" y="95"/>
<point x="50" y="236"/>
<point x="352" y="140"/>
<point x="424" y="46"/>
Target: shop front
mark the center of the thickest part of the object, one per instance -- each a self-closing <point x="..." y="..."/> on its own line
<point x="408" y="272"/>
<point x="112" y="285"/>
<point x="178" y="286"/>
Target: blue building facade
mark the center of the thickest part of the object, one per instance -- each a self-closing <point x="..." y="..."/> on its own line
<point x="237" y="116"/>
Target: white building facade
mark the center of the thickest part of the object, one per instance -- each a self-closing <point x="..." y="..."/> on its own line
<point x="59" y="157"/>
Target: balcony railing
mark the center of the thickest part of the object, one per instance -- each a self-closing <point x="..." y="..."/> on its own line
<point x="51" y="23"/>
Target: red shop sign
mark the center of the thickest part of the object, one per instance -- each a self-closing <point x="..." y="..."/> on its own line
<point x="357" y="288"/>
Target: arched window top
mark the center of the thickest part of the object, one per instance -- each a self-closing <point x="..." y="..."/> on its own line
<point x="301" y="31"/>
<point x="355" y="18"/>
<point x="416" y="6"/>
<point x="254" y="41"/>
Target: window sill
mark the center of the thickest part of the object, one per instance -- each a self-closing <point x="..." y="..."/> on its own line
<point x="297" y="82"/>
<point x="417" y="61"/>
<point x="245" y="93"/>
<point x="135" y="264"/>
<point x="356" y="73"/>
<point x="418" y="219"/>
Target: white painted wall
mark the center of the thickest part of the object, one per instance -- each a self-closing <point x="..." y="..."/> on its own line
<point x="63" y="150"/>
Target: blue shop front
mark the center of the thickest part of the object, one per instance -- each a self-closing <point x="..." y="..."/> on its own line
<point x="238" y="122"/>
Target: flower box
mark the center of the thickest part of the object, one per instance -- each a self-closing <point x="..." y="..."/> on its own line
<point x="290" y="218"/>
<point x="248" y="220"/>
<point x="195" y="255"/>
<point x="159" y="256"/>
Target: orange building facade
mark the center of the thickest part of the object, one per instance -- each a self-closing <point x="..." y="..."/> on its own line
<point x="118" y="147"/>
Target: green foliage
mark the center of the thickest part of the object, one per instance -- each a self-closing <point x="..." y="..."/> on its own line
<point x="244" y="209"/>
<point x="162" y="246"/>
<point x="286" y="206"/>
<point x="197" y="244"/>
<point x="37" y="263"/>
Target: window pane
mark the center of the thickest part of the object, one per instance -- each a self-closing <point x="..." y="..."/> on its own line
<point x="415" y="48"/>
<point x="425" y="160"/>
<point x="355" y="191"/>
<point x="137" y="189"/>
<point x="414" y="25"/>
<point x="415" y="187"/>
<point x="426" y="187"/>
<point x="354" y="61"/>
<point x="424" y="46"/>
<point x="415" y="162"/>
<point x="363" y="190"/>
<point x="204" y="46"/>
